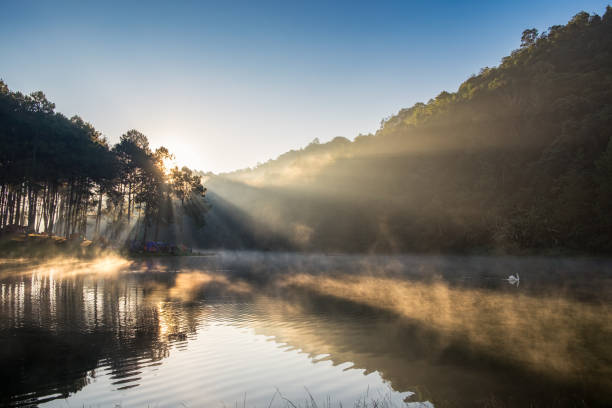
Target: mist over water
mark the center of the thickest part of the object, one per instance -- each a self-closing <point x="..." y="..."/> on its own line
<point x="205" y="331"/>
<point x="294" y="283"/>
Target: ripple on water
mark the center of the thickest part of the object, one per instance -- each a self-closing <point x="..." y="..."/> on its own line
<point x="199" y="338"/>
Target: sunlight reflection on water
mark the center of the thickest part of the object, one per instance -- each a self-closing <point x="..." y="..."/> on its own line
<point x="202" y="332"/>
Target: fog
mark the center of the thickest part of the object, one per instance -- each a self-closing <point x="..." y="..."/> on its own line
<point x="378" y="194"/>
<point x="378" y="313"/>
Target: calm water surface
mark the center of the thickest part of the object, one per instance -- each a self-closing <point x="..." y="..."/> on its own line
<point x="251" y="328"/>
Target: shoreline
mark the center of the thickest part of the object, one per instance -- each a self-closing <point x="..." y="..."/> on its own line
<point x="43" y="246"/>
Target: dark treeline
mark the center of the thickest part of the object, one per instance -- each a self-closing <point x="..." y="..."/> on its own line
<point x="57" y="175"/>
<point x="520" y="157"/>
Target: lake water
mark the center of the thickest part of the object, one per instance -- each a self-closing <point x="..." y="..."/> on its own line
<point x="266" y="329"/>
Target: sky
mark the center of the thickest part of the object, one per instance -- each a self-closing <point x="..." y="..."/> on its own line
<point x="228" y="84"/>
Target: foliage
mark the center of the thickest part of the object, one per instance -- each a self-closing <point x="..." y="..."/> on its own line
<point x="56" y="172"/>
<point x="517" y="158"/>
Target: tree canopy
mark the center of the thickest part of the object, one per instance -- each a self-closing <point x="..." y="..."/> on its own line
<point x="58" y="174"/>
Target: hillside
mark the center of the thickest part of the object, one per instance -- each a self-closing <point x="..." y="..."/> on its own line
<point x="518" y="158"/>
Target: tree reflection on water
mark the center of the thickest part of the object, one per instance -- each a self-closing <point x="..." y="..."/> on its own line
<point x="65" y="323"/>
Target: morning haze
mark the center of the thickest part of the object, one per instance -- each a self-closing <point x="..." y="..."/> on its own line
<point x="369" y="205"/>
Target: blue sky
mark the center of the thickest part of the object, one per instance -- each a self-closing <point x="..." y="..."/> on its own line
<point x="225" y="85"/>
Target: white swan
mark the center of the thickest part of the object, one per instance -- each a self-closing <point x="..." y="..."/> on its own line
<point x="514" y="279"/>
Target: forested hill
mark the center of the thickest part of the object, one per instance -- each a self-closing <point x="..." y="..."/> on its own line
<point x="518" y="158"/>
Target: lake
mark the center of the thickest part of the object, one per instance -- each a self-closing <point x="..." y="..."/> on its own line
<point x="278" y="329"/>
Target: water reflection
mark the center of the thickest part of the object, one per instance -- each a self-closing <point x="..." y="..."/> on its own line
<point x="202" y="331"/>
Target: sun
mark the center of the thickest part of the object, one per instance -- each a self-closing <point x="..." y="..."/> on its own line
<point x="169" y="163"/>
